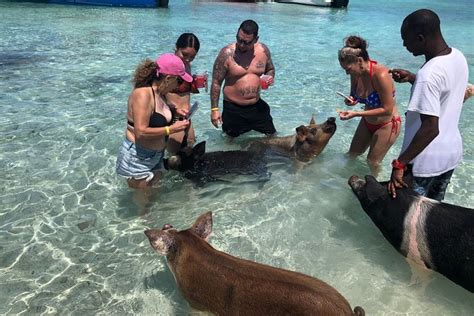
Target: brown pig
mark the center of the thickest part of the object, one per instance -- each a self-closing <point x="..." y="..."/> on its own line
<point x="308" y="142"/>
<point x="216" y="282"/>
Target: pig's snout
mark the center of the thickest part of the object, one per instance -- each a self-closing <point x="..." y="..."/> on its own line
<point x="355" y="182"/>
<point x="330" y="125"/>
<point x="167" y="226"/>
<point x="149" y="233"/>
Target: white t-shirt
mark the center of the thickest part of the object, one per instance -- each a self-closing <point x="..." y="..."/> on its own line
<point x="438" y="91"/>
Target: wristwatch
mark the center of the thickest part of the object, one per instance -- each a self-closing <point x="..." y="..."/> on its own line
<point x="396" y="164"/>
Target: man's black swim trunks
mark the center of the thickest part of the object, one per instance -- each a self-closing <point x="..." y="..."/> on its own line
<point x="239" y="119"/>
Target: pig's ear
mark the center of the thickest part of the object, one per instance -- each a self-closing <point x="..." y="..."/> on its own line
<point x="203" y="226"/>
<point x="199" y="150"/>
<point x="302" y="130"/>
<point x="160" y="240"/>
<point x="375" y="190"/>
<point x="312" y="122"/>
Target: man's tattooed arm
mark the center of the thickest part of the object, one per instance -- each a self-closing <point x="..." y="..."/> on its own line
<point x="269" y="68"/>
<point x="219" y="73"/>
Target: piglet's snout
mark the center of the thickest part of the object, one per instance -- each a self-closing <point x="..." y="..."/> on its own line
<point x="167" y="226"/>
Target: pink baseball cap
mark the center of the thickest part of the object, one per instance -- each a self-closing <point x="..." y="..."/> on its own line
<point x="170" y="64"/>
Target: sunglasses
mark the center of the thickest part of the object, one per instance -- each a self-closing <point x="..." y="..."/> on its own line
<point x="242" y="42"/>
<point x="179" y="80"/>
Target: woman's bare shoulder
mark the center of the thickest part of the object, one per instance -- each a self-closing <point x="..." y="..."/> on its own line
<point x="381" y="72"/>
<point x="140" y="95"/>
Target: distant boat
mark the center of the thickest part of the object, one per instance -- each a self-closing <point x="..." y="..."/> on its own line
<point x="117" y="3"/>
<point x="319" y="3"/>
<point x="164" y="3"/>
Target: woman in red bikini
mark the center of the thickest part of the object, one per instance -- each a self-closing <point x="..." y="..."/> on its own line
<point x="372" y="85"/>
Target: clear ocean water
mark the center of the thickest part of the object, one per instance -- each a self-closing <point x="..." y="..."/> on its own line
<point x="71" y="232"/>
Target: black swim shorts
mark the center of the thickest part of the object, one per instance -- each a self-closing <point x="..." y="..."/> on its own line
<point x="239" y="119"/>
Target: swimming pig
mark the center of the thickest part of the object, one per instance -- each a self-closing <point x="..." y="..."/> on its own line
<point x="436" y="235"/>
<point x="214" y="281"/>
<point x="308" y="142"/>
<point x="202" y="167"/>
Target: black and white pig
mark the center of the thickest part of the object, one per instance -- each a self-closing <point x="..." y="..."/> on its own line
<point x="436" y="235"/>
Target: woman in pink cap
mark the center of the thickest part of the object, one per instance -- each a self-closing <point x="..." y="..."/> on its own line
<point x="151" y="119"/>
<point x="187" y="47"/>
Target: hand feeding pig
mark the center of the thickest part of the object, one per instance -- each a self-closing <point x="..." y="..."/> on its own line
<point x="436" y="235"/>
<point x="308" y="142"/>
<point x="214" y="281"/>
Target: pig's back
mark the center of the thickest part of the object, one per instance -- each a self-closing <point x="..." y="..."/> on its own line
<point x="215" y="281"/>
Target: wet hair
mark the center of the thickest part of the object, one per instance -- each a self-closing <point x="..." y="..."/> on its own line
<point x="186" y="40"/>
<point x="249" y="27"/>
<point x="145" y="74"/>
<point x="354" y="47"/>
<point x="423" y="21"/>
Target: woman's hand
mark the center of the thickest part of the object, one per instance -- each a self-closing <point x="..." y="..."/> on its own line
<point x="350" y="101"/>
<point x="181" y="112"/>
<point x="347" y="115"/>
<point x="179" y="126"/>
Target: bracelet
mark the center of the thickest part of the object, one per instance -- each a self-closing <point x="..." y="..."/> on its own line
<point x="215" y="109"/>
<point x="396" y="164"/>
<point x="167" y="130"/>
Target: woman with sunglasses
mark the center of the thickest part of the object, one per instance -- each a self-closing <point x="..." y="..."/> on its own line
<point x="150" y="119"/>
<point x="187" y="47"/>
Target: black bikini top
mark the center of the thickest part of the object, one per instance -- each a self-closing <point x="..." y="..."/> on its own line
<point x="157" y="119"/>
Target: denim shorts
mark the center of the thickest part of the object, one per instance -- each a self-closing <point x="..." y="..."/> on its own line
<point x="433" y="187"/>
<point x="137" y="162"/>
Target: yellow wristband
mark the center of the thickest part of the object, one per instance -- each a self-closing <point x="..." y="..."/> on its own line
<point x="214" y="109"/>
<point x="167" y="130"/>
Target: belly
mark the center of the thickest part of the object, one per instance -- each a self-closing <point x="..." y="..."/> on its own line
<point x="244" y="91"/>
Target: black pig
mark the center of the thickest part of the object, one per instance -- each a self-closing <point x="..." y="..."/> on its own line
<point x="202" y="167"/>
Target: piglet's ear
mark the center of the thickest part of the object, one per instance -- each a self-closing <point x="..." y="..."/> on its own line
<point x="160" y="240"/>
<point x="203" y="226"/>
<point x="199" y="150"/>
<point x="302" y="130"/>
<point x="375" y="190"/>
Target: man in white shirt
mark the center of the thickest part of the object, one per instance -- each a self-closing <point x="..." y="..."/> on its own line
<point x="432" y="143"/>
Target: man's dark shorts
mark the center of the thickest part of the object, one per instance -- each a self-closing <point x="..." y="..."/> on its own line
<point x="433" y="187"/>
<point x="242" y="119"/>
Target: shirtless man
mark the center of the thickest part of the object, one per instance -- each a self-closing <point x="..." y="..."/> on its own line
<point x="240" y="66"/>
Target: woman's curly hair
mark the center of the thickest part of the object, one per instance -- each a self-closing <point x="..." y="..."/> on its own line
<point x="145" y="74"/>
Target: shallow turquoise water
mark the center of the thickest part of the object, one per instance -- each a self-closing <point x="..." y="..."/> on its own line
<point x="71" y="235"/>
